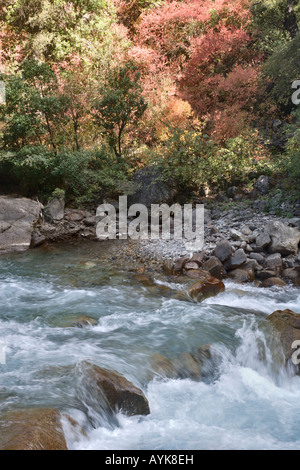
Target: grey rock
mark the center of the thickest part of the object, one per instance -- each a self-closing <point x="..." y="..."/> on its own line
<point x="37" y="239"/>
<point x="236" y="260"/>
<point x="260" y="258"/>
<point x="294" y="222"/>
<point x="262" y="241"/>
<point x="17" y="219"/>
<point x="274" y="262"/>
<point x="90" y="221"/>
<point x="236" y="235"/>
<point x="284" y="239"/>
<point x="55" y="210"/>
<point x="289" y="262"/>
<point x="223" y="250"/>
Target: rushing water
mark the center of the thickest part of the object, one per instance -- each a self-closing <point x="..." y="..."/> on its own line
<point x="248" y="402"/>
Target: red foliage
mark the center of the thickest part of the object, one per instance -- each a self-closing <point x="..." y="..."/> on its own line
<point x="207" y="50"/>
<point x="11" y="52"/>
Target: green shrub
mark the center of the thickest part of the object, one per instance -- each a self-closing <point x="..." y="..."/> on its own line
<point x="85" y="177"/>
<point x="194" y="161"/>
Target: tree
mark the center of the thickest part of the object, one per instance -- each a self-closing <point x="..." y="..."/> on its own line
<point x="34" y="112"/>
<point x="121" y="104"/>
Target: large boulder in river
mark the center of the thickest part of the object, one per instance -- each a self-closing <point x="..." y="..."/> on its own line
<point x="284" y="239"/>
<point x="18" y="216"/>
<point x="207" y="286"/>
<point x="32" y="429"/>
<point x="287" y="324"/>
<point x="118" y="392"/>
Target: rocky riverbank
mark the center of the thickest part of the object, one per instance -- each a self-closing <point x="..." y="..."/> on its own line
<point x="240" y="243"/>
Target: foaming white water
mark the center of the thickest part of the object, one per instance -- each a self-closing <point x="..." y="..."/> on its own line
<point x="247" y="407"/>
<point x="248" y="400"/>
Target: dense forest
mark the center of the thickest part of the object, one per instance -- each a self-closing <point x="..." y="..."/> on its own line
<point x="206" y="90"/>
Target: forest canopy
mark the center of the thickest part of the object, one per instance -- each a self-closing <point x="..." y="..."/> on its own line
<point x="96" y="89"/>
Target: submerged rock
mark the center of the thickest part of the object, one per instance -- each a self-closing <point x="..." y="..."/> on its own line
<point x="83" y="321"/>
<point x="273" y="281"/>
<point x="163" y="367"/>
<point x="119" y="393"/>
<point x="32" y="429"/>
<point x="186" y="365"/>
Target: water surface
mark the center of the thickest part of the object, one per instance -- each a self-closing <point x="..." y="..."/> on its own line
<point x="248" y="402"/>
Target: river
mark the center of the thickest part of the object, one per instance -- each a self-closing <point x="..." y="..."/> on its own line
<point x="248" y="402"/>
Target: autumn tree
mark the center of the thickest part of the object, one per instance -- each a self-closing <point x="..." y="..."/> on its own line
<point x="120" y="105"/>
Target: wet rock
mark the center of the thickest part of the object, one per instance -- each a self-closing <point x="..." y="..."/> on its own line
<point x="273" y="281"/>
<point x="287" y="323"/>
<point x="119" y="393"/>
<point x="179" y="265"/>
<point x="168" y="267"/>
<point x="18" y="217"/>
<point x="83" y="321"/>
<point x="292" y="275"/>
<point x="196" y="273"/>
<point x="163" y="367"/>
<point x="284" y="239"/>
<point x="263" y="274"/>
<point x="223" y="250"/>
<point x="32" y="429"/>
<point x="144" y="279"/>
<point x="241" y="275"/>
<point x="188" y="367"/>
<point x="208" y="286"/>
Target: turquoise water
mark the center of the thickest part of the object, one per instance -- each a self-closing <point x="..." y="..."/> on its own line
<point x="247" y="402"/>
